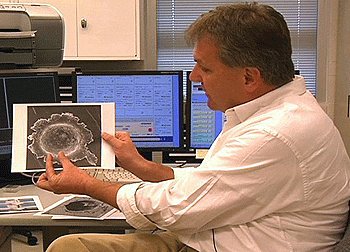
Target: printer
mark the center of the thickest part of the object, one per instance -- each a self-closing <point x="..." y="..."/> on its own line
<point x="31" y="36"/>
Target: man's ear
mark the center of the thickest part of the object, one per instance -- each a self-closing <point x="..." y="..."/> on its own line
<point x="253" y="79"/>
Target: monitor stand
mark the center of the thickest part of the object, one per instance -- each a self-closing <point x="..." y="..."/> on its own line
<point x="157" y="157"/>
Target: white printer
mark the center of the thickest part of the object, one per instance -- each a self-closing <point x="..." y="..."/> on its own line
<point x="31" y="36"/>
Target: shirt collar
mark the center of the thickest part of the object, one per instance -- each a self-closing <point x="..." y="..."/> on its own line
<point x="241" y="112"/>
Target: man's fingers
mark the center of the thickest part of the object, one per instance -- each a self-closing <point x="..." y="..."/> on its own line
<point x="65" y="162"/>
<point x="43" y="182"/>
<point x="107" y="136"/>
<point x="122" y="135"/>
<point x="42" y="178"/>
<point x="110" y="139"/>
<point x="50" y="171"/>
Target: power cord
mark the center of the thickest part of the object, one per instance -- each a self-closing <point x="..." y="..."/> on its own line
<point x="35" y="176"/>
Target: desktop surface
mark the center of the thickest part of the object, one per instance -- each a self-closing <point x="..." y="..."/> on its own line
<point x="48" y="228"/>
<point x="47" y="199"/>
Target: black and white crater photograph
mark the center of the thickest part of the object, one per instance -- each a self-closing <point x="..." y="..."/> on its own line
<point x="79" y="206"/>
<point x="72" y="129"/>
<point x="76" y="131"/>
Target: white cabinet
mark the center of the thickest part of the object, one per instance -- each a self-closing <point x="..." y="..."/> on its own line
<point x="100" y="30"/>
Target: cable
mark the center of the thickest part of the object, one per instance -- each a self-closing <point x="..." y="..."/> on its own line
<point x="214" y="241"/>
<point x="26" y="175"/>
<point x="35" y="176"/>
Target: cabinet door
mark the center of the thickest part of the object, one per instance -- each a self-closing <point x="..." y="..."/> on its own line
<point x="68" y="10"/>
<point x="108" y="29"/>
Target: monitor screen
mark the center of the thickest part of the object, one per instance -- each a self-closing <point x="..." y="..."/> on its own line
<point x="21" y="87"/>
<point x="148" y="103"/>
<point x="203" y="125"/>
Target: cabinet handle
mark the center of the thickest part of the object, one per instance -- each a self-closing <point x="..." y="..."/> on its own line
<point x="83" y="23"/>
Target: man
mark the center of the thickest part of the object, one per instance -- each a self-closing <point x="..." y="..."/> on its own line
<point x="276" y="178"/>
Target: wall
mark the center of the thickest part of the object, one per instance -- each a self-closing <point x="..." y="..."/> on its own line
<point x="342" y="87"/>
<point x="333" y="61"/>
<point x="326" y="54"/>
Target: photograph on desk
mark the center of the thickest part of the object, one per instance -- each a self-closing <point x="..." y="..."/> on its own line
<point x="73" y="128"/>
<point x="77" y="207"/>
<point x="20" y="204"/>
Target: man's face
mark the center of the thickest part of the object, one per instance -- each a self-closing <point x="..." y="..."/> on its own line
<point x="223" y="85"/>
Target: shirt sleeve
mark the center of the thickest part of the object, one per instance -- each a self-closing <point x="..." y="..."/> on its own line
<point x="126" y="203"/>
<point x="248" y="177"/>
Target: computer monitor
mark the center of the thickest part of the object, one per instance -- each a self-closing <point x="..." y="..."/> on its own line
<point x="202" y="124"/>
<point x="21" y="87"/>
<point x="148" y="103"/>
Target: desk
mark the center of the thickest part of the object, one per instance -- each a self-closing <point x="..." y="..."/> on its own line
<point x="54" y="228"/>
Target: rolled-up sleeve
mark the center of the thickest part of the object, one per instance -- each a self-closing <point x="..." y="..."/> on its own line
<point x="126" y="203"/>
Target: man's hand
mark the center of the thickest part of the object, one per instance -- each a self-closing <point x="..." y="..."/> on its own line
<point x="76" y="181"/>
<point x="70" y="180"/>
<point x="130" y="159"/>
<point x="125" y="151"/>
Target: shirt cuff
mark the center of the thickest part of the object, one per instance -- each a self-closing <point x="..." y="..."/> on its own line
<point x="127" y="204"/>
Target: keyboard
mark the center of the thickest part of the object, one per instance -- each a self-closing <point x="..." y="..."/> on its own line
<point x="118" y="175"/>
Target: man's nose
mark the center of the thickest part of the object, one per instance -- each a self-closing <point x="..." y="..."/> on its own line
<point x="194" y="76"/>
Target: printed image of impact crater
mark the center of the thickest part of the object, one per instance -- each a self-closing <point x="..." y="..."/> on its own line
<point x="61" y="132"/>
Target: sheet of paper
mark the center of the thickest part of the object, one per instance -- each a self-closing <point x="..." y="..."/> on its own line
<point x="9" y="205"/>
<point x="74" y="128"/>
<point x="78" y="207"/>
<point x="116" y="215"/>
<point x="112" y="215"/>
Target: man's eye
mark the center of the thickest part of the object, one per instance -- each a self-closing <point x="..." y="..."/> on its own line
<point x="205" y="69"/>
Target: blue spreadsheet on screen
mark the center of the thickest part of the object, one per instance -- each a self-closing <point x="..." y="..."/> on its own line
<point x="148" y="103"/>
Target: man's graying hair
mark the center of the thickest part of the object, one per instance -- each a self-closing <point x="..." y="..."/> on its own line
<point x="249" y="35"/>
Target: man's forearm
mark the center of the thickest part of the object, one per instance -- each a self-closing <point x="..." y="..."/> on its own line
<point x="104" y="191"/>
<point x="153" y="172"/>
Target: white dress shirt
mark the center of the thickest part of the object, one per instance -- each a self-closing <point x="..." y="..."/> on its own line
<point x="275" y="179"/>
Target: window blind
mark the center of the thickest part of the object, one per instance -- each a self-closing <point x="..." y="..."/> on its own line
<point x="174" y="16"/>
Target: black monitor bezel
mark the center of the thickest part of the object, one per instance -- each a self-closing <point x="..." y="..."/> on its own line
<point x="143" y="72"/>
<point x="7" y="177"/>
<point x="28" y="73"/>
<point x="188" y="111"/>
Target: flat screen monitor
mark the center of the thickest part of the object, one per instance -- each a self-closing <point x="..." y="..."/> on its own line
<point x="148" y="103"/>
<point x="21" y="87"/>
<point x="203" y="125"/>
